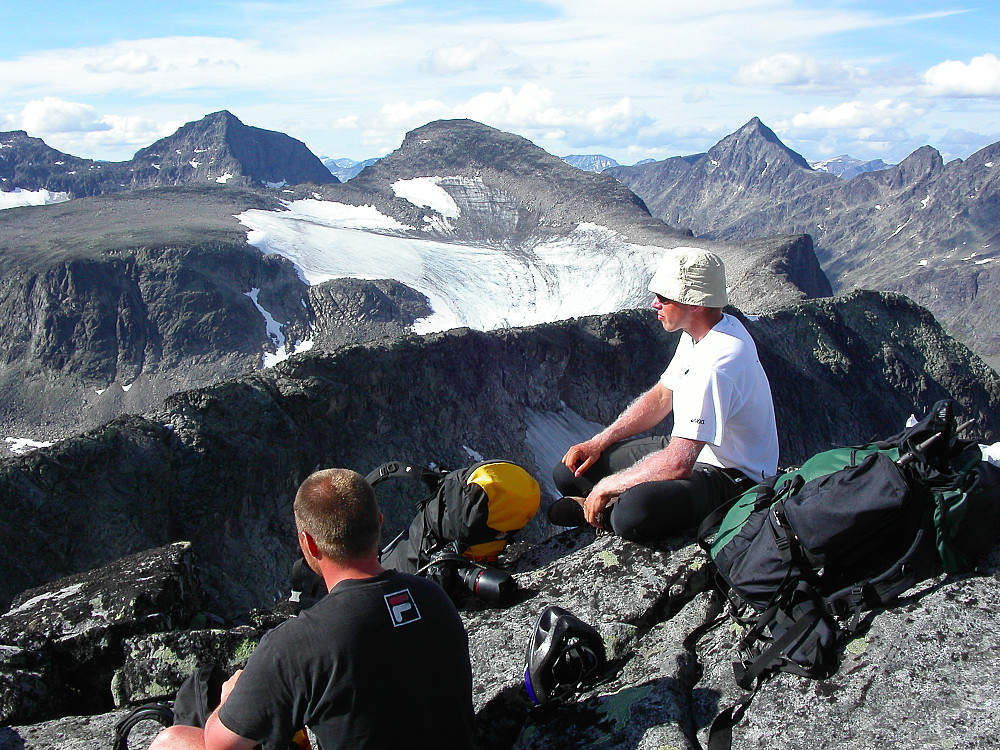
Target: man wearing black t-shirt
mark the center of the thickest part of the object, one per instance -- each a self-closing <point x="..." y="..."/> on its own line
<point x="381" y="662"/>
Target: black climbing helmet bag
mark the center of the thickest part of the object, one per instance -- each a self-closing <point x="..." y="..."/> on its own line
<point x="469" y="513"/>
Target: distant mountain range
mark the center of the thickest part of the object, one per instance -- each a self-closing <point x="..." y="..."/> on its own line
<point x="846" y="167"/>
<point x="923" y="228"/>
<point x="345" y="169"/>
<point x="112" y="301"/>
<point x="595" y="162"/>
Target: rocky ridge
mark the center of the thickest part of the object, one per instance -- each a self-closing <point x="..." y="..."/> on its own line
<point x="935" y="650"/>
<point x="217" y="466"/>
<point x="198" y="494"/>
<point x="923" y="228"/>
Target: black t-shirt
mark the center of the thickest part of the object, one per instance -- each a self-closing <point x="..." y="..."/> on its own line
<point x="379" y="663"/>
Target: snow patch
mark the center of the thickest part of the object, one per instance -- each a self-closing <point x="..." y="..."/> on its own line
<point x="224" y="178"/>
<point x="549" y="434"/>
<point x="923" y="203"/>
<point x="275" y="184"/>
<point x="195" y="164"/>
<point x="984" y="260"/>
<point x="473" y="454"/>
<point x="427" y="192"/>
<point x="18" y="197"/>
<point x="23" y="445"/>
<point x="921" y="262"/>
<point x="988" y="164"/>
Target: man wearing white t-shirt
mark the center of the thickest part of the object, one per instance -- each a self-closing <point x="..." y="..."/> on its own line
<point x="724" y="437"/>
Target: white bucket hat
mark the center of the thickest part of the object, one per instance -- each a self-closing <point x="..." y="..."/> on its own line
<point x="691" y="276"/>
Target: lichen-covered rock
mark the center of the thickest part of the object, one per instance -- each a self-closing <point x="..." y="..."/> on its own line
<point x="157" y="664"/>
<point x="76" y="733"/>
<point x="923" y="676"/>
<point x="618" y="587"/>
<point x="64" y="640"/>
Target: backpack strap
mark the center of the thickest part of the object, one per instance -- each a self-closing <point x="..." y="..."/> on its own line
<point x="160" y="712"/>
<point x="881" y="590"/>
<point x="720" y="735"/>
<point x="394" y="469"/>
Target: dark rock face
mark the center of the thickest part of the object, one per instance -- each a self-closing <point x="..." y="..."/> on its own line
<point x="749" y="170"/>
<point x="513" y="194"/>
<point x="60" y="643"/>
<point x="923" y="228"/>
<point x="216" y="149"/>
<point x="541" y="190"/>
<point x="219" y="145"/>
<point x="219" y="465"/>
<point x="387" y="308"/>
<point x="103" y="318"/>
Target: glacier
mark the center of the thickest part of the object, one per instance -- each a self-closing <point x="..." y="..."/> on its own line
<point x="589" y="270"/>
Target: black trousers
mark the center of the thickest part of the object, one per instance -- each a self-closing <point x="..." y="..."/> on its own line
<point x="654" y="511"/>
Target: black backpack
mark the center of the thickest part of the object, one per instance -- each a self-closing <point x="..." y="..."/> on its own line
<point x="464" y="521"/>
<point x="802" y="556"/>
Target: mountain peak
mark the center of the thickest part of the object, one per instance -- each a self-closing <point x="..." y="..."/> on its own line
<point x="753" y="136"/>
<point x="220" y="147"/>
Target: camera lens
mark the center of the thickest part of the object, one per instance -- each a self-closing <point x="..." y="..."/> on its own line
<point x="489" y="584"/>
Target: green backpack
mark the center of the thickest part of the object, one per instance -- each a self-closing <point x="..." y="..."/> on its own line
<point x="803" y="555"/>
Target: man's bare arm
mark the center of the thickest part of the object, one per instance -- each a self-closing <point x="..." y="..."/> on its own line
<point x="217" y="735"/>
<point x="676" y="461"/>
<point x="643" y="414"/>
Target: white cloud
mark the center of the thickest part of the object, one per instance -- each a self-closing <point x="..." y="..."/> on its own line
<point x="50" y="115"/>
<point x="406" y="115"/>
<point x="800" y="72"/>
<point x="79" y="129"/>
<point x="532" y="110"/>
<point x="460" y="58"/>
<point x="980" y="77"/>
<point x="855" y="115"/>
<point x="531" y="106"/>
<point x="132" y="61"/>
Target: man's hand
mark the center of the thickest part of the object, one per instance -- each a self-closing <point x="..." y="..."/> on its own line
<point x="596" y="504"/>
<point x="581" y="456"/>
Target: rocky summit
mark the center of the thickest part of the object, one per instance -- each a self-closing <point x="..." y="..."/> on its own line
<point x="923" y="228"/>
<point x="919" y="674"/>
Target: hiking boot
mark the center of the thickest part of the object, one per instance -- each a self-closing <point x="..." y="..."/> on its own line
<point x="566" y="511"/>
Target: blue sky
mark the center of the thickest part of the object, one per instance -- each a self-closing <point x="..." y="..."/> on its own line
<point x="630" y="80"/>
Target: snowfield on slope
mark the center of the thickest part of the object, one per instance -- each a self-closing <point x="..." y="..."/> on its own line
<point x="592" y="270"/>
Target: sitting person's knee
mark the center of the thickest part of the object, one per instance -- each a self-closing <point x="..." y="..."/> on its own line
<point x="567" y="482"/>
<point x="179" y="737"/>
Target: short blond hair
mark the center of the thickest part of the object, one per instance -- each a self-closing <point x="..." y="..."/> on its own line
<point x="337" y="508"/>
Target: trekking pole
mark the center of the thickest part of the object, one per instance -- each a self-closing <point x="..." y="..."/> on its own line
<point x="912" y="454"/>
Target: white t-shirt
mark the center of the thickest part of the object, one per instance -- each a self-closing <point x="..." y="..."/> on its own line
<point x="721" y="396"/>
